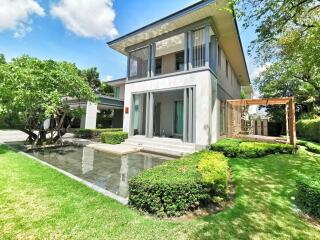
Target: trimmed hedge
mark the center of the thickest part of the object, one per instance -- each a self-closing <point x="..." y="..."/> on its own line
<point x="310" y="146"/>
<point x="309" y="129"/>
<point x="113" y="137"/>
<point x="308" y="195"/>
<point x="180" y="185"/>
<point x="246" y="149"/>
<point x="93" y="133"/>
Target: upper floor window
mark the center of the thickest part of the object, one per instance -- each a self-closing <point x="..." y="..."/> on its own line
<point x="180" y="61"/>
<point x="138" y="64"/>
<point x="227" y="68"/>
<point x="170" y="54"/>
<point x="219" y="56"/>
<point x="117" y="92"/>
<point x="198" y="48"/>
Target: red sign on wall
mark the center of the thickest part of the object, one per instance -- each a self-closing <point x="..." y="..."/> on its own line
<point x="126" y="110"/>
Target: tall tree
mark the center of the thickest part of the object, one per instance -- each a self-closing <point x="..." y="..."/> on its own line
<point x="288" y="35"/>
<point x="92" y="76"/>
<point x="34" y="94"/>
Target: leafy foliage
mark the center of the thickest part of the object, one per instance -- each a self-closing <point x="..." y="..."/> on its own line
<point x="92" y="76"/>
<point x="310" y="146"/>
<point x="308" y="194"/>
<point x="113" y="137"/>
<point x="177" y="186"/>
<point x="33" y="91"/>
<point x="288" y="44"/>
<point x="309" y="129"/>
<point x="246" y="149"/>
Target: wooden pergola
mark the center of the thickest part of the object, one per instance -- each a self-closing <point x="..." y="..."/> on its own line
<point x="234" y="110"/>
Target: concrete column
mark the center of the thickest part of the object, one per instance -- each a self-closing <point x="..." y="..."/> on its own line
<point x="185" y="115"/>
<point x="190" y="115"/>
<point x="89" y="120"/>
<point x="151" y="113"/>
<point x="185" y="51"/>
<point x="131" y="117"/>
<point x="149" y="61"/>
<point x="206" y="42"/>
<point x="147" y="114"/>
<point x="190" y="55"/>
<point x="152" y="60"/>
<point x="128" y="66"/>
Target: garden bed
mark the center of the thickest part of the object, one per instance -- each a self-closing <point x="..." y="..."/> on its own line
<point x="248" y="149"/>
<point x="179" y="186"/>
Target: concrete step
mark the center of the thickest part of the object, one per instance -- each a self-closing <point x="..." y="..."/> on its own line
<point x="167" y="146"/>
<point x="161" y="140"/>
<point x="170" y="145"/>
<point x="162" y="150"/>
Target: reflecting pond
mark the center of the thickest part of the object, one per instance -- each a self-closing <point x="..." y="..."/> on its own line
<point x="106" y="170"/>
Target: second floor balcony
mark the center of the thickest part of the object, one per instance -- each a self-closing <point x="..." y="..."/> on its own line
<point x="182" y="51"/>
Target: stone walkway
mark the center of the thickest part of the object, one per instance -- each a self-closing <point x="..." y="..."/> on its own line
<point x="7" y="136"/>
<point x="12" y="136"/>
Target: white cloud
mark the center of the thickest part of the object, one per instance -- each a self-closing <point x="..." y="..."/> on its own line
<point x="258" y="70"/>
<point x="16" y="15"/>
<point x="91" y="19"/>
<point x="107" y="78"/>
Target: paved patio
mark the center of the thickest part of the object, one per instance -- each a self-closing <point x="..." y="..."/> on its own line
<point x="12" y="136"/>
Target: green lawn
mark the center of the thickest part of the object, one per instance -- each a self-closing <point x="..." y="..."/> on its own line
<point x="37" y="202"/>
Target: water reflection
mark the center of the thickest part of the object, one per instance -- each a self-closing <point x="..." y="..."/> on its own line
<point x="105" y="170"/>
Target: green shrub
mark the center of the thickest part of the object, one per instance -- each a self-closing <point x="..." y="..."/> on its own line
<point x="214" y="169"/>
<point x="310" y="146"/>
<point x="180" y="185"/>
<point x="113" y="137"/>
<point x="247" y="149"/>
<point x="309" y="129"/>
<point x="93" y="133"/>
<point x="308" y="195"/>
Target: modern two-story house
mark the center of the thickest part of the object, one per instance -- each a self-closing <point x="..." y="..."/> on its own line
<point x="180" y="70"/>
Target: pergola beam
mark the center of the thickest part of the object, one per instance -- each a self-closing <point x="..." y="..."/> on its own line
<point x="290" y="113"/>
<point x="262" y="101"/>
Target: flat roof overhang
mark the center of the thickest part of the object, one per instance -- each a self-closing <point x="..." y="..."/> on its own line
<point x="225" y="26"/>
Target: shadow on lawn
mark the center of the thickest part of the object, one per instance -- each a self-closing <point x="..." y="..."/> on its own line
<point x="263" y="207"/>
<point x="4" y="149"/>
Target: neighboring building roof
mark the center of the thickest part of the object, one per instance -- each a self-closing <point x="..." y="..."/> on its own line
<point x="225" y="27"/>
<point x="116" y="82"/>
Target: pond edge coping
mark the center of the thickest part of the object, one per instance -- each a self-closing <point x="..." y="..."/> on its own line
<point x="96" y="188"/>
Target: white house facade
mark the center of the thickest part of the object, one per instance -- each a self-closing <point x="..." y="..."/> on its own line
<point x="180" y="71"/>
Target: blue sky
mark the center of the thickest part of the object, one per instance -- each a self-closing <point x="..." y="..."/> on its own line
<point x="40" y="31"/>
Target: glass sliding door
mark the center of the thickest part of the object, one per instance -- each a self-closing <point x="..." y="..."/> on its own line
<point x="178" y="117"/>
<point x="139" y="112"/>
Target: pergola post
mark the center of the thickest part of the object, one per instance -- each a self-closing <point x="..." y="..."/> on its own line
<point x="292" y="122"/>
<point x="233" y="104"/>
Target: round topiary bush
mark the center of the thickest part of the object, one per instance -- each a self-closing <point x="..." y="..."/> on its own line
<point x="181" y="185"/>
<point x="113" y="137"/>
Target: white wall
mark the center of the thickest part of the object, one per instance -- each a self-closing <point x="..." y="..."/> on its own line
<point x="203" y="84"/>
<point x="230" y="84"/>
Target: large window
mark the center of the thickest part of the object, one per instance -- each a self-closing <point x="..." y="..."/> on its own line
<point x="170" y="54"/>
<point x="117" y="92"/>
<point x="138" y="64"/>
<point x="198" y="48"/>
